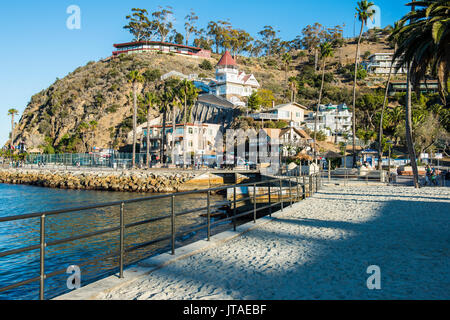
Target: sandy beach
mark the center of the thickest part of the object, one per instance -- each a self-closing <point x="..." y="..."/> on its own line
<point x="320" y="249"/>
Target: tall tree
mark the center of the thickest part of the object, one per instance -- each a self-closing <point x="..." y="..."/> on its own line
<point x="326" y="51"/>
<point x="313" y="35"/>
<point x="270" y="39"/>
<point x="134" y="77"/>
<point x="422" y="46"/>
<point x="12" y="112"/>
<point x="188" y="94"/>
<point x="151" y="99"/>
<point x="287" y="59"/>
<point x="293" y="85"/>
<point x="163" y="21"/>
<point x="189" y="25"/>
<point x="218" y="30"/>
<point x="239" y="41"/>
<point x="424" y="42"/>
<point x="386" y="92"/>
<point x="138" y="24"/>
<point x="364" y="12"/>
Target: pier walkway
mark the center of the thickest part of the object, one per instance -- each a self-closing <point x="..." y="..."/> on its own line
<point x="320" y="248"/>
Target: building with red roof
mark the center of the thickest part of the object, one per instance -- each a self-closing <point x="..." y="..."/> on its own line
<point x="231" y="83"/>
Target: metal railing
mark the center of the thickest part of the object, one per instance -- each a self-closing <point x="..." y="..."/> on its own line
<point x="284" y="187"/>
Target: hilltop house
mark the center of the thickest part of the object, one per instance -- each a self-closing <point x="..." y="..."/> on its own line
<point x="332" y="119"/>
<point x="427" y="86"/>
<point x="380" y="64"/>
<point x="159" y="46"/>
<point x="292" y="112"/>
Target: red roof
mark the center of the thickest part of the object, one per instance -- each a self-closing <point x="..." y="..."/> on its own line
<point x="227" y="60"/>
<point x="136" y="43"/>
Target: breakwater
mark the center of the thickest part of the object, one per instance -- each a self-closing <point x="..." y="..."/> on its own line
<point x="135" y="181"/>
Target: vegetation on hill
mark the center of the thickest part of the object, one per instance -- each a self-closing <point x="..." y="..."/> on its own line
<point x="93" y="105"/>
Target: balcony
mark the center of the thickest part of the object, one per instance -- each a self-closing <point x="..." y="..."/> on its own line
<point x="265" y="116"/>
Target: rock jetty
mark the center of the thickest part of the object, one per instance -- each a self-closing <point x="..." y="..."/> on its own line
<point x="131" y="181"/>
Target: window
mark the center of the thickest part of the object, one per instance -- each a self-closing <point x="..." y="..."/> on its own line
<point x="191" y="131"/>
<point x="284" y="114"/>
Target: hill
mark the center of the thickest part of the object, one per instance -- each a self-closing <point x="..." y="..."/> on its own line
<point x="99" y="93"/>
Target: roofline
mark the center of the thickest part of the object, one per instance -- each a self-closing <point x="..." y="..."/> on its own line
<point x="203" y="124"/>
<point x="287" y="104"/>
<point x="119" y="45"/>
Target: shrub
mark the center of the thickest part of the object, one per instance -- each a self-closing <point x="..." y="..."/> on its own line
<point x="206" y="65"/>
<point x="152" y="75"/>
<point x="113" y="108"/>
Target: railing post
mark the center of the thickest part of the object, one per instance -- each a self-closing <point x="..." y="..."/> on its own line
<point x="254" y="202"/>
<point x="173" y="223"/>
<point x="209" y="214"/>
<point x="281" y="195"/>
<point x="234" y="208"/>
<point x="317" y="182"/>
<point x="290" y="191"/>
<point x="42" y="259"/>
<point x="310" y="185"/>
<point x="122" y="234"/>
<point x="296" y="195"/>
<point x="270" y="202"/>
<point x="303" y="191"/>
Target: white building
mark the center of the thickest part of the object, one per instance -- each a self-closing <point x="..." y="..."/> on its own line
<point x="199" y="139"/>
<point x="332" y="119"/>
<point x="231" y="83"/>
<point x="380" y="63"/>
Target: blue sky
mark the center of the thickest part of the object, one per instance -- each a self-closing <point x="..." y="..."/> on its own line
<point x="38" y="47"/>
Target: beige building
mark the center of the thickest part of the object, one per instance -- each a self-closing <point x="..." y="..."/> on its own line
<point x="292" y="112"/>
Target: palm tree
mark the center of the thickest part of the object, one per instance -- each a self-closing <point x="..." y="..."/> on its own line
<point x="380" y="134"/>
<point x="92" y="127"/>
<point x="364" y="13"/>
<point x="175" y="102"/>
<point x="292" y="86"/>
<point x="150" y="100"/>
<point x="12" y="112"/>
<point x="286" y="58"/>
<point x="134" y="77"/>
<point x="189" y="94"/>
<point x="423" y="46"/>
<point x="326" y="51"/>
<point x="168" y="99"/>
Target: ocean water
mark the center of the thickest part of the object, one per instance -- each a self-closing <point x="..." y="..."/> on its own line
<point x="22" y="199"/>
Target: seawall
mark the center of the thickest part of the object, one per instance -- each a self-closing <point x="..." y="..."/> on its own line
<point x="134" y="181"/>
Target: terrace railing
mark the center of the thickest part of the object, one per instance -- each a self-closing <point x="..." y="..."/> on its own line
<point x="288" y="190"/>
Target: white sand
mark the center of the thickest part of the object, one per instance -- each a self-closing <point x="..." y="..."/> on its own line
<point x="321" y="250"/>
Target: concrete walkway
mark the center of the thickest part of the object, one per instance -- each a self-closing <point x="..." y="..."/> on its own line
<point x="321" y="249"/>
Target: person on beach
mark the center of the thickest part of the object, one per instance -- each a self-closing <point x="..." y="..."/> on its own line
<point x="433" y="176"/>
<point x="427" y="175"/>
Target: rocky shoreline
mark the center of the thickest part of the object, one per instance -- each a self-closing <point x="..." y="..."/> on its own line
<point x="128" y="181"/>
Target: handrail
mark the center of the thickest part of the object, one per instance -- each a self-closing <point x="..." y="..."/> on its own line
<point x="313" y="184"/>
